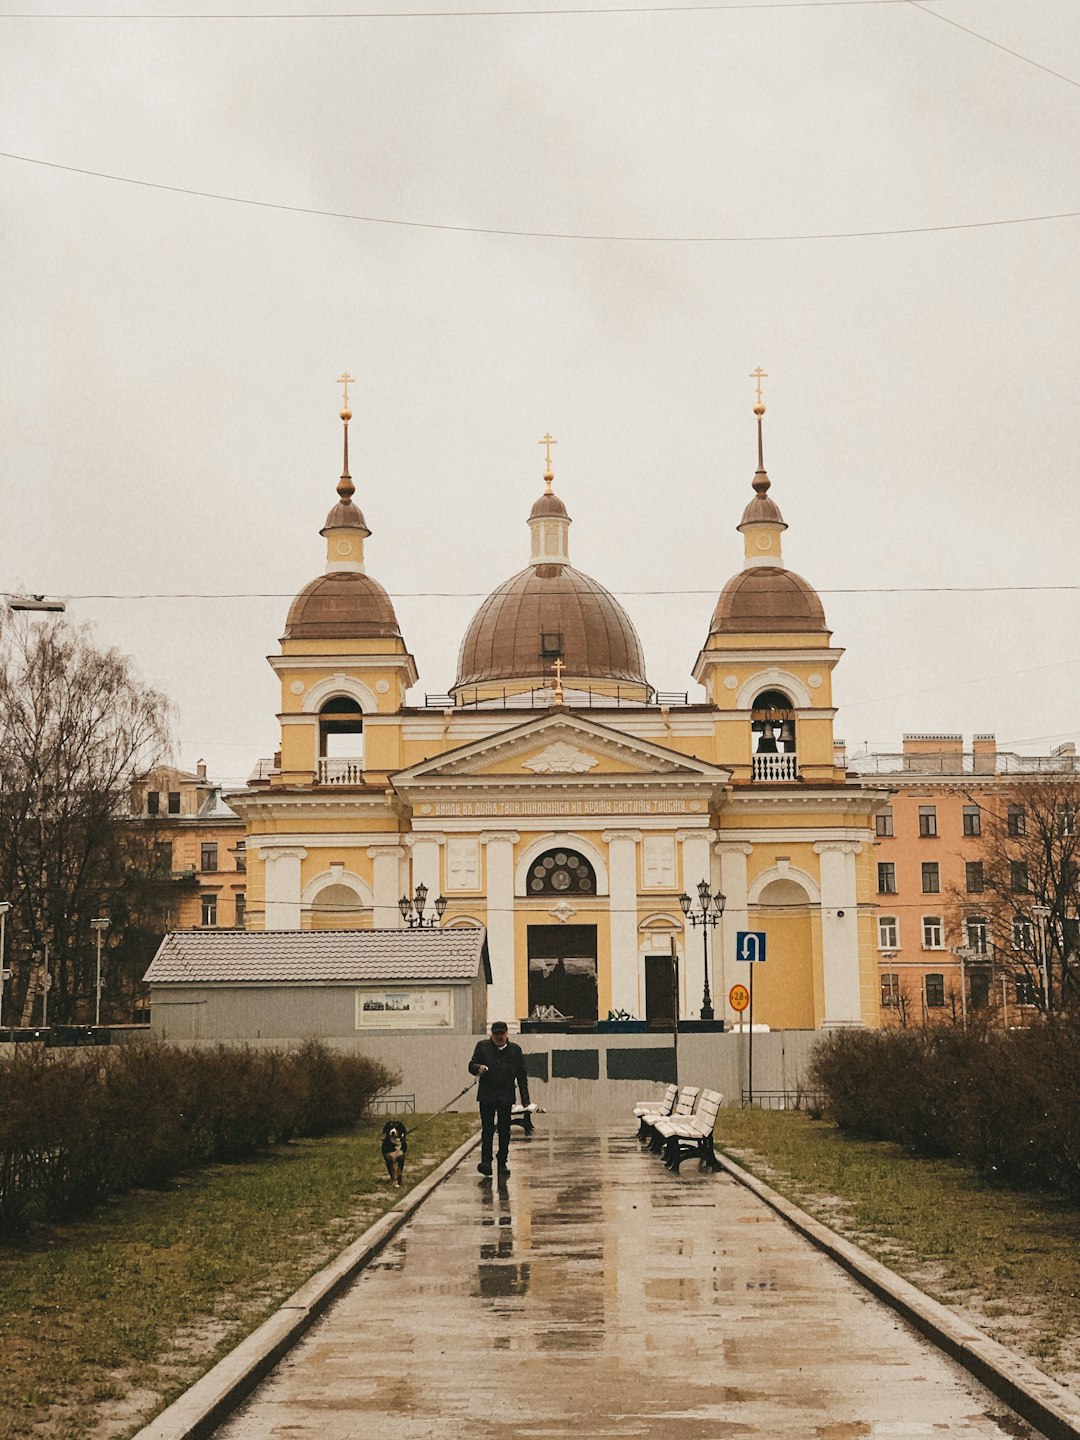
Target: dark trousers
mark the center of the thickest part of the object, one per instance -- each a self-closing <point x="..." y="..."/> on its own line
<point x="492" y="1109"/>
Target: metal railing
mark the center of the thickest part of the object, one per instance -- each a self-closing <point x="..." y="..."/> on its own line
<point x="775" y="767"/>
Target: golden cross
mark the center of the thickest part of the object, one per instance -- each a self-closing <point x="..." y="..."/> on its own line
<point x="547" y="443"/>
<point x="758" y="375"/>
<point x="346" y="379"/>
<point x="558" y="667"/>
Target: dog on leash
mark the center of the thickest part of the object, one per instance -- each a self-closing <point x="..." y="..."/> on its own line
<point x="394" y="1148"/>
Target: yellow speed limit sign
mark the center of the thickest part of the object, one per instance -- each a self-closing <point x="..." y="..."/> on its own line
<point x="738" y="998"/>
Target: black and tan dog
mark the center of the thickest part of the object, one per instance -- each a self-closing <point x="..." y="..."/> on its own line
<point x="394" y="1149"/>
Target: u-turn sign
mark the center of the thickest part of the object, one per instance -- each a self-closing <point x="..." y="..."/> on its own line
<point x="750" y="945"/>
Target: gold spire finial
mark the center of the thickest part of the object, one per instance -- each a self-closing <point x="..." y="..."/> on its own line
<point x="346" y="379"/>
<point x="549" y="474"/>
<point x="759" y="375"/>
<point x="345" y="488"/>
<point x="558" y="667"/>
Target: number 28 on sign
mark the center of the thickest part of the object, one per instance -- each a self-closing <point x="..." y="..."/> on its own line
<point x="738" y="998"/>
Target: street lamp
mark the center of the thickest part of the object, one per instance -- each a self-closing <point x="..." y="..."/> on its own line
<point x="5" y="906"/>
<point x="100" y="925"/>
<point x="35" y="602"/>
<point x="711" y="907"/>
<point x="1040" y="914"/>
<point x="412" y="911"/>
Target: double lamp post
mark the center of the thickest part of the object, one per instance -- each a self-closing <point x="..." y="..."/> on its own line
<point x="707" y="916"/>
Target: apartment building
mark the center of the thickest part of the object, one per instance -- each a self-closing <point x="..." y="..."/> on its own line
<point x="197" y="848"/>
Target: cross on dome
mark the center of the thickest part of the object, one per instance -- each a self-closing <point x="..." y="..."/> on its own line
<point x="547" y="442"/>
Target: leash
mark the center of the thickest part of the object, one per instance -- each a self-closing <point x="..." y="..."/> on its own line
<point x="472" y="1083"/>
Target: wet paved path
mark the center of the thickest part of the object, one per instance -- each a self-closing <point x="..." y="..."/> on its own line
<point x="593" y="1294"/>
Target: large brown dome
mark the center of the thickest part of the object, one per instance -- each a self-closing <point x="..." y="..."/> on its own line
<point x="767" y="599"/>
<point x="343" y="605"/>
<point x="502" y="642"/>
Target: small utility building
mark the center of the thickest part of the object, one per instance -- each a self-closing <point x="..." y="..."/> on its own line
<point x="336" y="985"/>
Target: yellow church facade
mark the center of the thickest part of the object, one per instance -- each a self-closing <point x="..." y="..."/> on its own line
<point x="556" y="799"/>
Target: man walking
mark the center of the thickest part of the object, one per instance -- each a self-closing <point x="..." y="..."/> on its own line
<point x="500" y="1066"/>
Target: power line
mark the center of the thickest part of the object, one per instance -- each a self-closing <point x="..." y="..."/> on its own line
<point x="995" y="43"/>
<point x="508" y="233"/>
<point x="482" y="594"/>
<point x="454" y="14"/>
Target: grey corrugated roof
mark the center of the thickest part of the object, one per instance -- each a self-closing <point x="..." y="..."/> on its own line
<point x="203" y="957"/>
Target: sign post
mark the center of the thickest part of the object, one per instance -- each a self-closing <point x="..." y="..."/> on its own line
<point x="750" y="946"/>
<point x="675" y="1007"/>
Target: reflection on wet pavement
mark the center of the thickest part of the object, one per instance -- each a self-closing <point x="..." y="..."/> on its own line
<point x="593" y="1293"/>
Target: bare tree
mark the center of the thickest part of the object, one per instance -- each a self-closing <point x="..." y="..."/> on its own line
<point x="1022" y="898"/>
<point x="77" y="729"/>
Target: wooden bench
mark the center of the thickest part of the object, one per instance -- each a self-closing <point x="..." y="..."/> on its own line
<point x="684" y="1107"/>
<point x="663" y="1106"/>
<point x="684" y="1136"/>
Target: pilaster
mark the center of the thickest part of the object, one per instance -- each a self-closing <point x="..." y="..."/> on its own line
<point x="282" y="892"/>
<point x="623" y="897"/>
<point x="502" y="999"/>
<point x="840" y="932"/>
<point x="387" y="885"/>
<point x="733" y="859"/>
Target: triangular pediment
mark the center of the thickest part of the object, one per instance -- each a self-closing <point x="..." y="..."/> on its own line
<point x="561" y="747"/>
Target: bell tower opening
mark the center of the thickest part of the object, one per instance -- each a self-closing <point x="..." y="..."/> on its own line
<point x="341" y="742"/>
<point x="772" y="721"/>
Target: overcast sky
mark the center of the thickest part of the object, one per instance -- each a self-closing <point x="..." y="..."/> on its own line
<point x="169" y="416"/>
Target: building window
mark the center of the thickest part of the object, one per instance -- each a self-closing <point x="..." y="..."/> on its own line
<point x="978" y="935"/>
<point x="890" y="989"/>
<point x="979" y="988"/>
<point x="561" y="872"/>
<point x="174" y="802"/>
<point x="241" y="907"/>
<point x="153" y="802"/>
<point x="973" y="873"/>
<point x="163" y="859"/>
<point x="886" y="877"/>
<point x="208" y="855"/>
<point x="1018" y="875"/>
<point x="209" y="909"/>
<point x="927" y="820"/>
<point x="931" y="878"/>
<point x="1067" y="820"/>
<point x="884" y="822"/>
<point x="888" y="932"/>
<point x="935" y="991"/>
<point x="1021" y="933"/>
<point x="241" y="859"/>
<point x="341" y="739"/>
<point x="972" y="820"/>
<point x="1027" y="992"/>
<point x="931" y="932"/>
<point x="1016" y="820"/>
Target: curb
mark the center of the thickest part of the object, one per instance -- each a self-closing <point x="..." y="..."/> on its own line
<point x="1050" y="1407"/>
<point x="206" y="1404"/>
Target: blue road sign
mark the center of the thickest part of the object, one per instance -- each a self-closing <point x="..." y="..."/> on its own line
<point x="750" y="945"/>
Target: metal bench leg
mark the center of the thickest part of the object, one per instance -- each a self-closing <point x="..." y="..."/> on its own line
<point x="708" y="1154"/>
<point x="673" y="1154"/>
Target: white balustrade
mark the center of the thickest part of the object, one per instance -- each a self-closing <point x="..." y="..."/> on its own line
<point x="775" y="767"/>
<point x="341" y="770"/>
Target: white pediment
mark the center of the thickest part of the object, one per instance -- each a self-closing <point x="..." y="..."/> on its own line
<point x="560" y="745"/>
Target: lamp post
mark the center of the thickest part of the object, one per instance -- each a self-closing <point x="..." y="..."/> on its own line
<point x="711" y="907"/>
<point x="412" y="911"/>
<point x="100" y="925"/>
<point x="1040" y="914"/>
<point x="963" y="953"/>
<point x="5" y="906"/>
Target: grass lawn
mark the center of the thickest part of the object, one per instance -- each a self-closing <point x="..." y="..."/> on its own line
<point x="1009" y="1260"/>
<point x="102" y="1319"/>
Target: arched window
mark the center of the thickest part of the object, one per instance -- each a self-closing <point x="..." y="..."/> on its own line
<point x="561" y="872"/>
<point x="341" y="742"/>
<point x="772" y="720"/>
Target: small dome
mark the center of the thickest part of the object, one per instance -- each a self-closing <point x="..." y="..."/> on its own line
<point x="345" y="516"/>
<point x="502" y="642"/>
<point x="762" y="509"/>
<point x="765" y="598"/>
<point x="343" y="605"/>
<point x="546" y="505"/>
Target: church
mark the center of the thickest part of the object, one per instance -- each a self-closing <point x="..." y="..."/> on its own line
<point x="613" y="842"/>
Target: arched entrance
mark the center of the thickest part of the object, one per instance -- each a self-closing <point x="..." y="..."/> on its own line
<point x="784" y="986"/>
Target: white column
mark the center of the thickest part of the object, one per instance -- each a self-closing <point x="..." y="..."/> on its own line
<point x="622" y="900"/>
<point x="696" y="866"/>
<point x="387" y="885"/>
<point x="282" y="887"/>
<point x="426" y="868"/>
<point x="840" y="931"/>
<point x="726" y="969"/>
<point x="502" y="999"/>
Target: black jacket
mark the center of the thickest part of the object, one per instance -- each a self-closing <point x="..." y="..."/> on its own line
<point x="506" y="1067"/>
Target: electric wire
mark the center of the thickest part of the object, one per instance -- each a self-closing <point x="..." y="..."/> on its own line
<point x="510" y="233"/>
<point x="1027" y="60"/>
<point x="450" y="14"/>
<point x="481" y="594"/>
